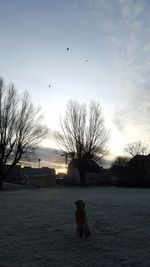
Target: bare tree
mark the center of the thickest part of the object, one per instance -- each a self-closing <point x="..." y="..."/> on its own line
<point x="20" y="128"/>
<point x="83" y="135"/>
<point x="136" y="148"/>
<point x="120" y="161"/>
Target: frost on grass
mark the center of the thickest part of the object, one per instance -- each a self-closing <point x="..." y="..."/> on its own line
<point x="37" y="228"/>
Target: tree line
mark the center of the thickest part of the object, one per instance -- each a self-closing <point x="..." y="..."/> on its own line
<point x="83" y="134"/>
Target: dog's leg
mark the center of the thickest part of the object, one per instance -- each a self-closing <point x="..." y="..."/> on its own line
<point x="87" y="231"/>
<point x="80" y="231"/>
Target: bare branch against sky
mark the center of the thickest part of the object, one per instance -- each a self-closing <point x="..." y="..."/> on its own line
<point x="21" y="128"/>
<point x="83" y="133"/>
<point x="83" y="50"/>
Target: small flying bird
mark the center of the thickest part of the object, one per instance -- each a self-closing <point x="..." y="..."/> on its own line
<point x="49" y="86"/>
<point x="86" y="60"/>
<point x="67" y="48"/>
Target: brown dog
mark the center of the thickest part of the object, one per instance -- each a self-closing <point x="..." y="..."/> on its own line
<point x="81" y="219"/>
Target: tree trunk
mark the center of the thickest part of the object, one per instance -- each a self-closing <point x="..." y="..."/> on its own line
<point x="1" y="175"/>
<point x="82" y="173"/>
<point x="1" y="184"/>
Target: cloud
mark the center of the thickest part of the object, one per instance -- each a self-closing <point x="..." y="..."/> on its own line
<point x="131" y="8"/>
<point x="134" y="119"/>
<point x="119" y="120"/>
<point x="51" y="134"/>
<point x="147" y="47"/>
<point x="127" y="32"/>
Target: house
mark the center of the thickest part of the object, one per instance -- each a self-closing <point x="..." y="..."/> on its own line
<point x="89" y="169"/>
<point x="140" y="161"/>
<point x="41" y="177"/>
<point x="136" y="173"/>
<point x="40" y="180"/>
<point x="139" y="167"/>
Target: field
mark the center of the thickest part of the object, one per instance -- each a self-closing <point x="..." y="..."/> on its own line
<point x="37" y="227"/>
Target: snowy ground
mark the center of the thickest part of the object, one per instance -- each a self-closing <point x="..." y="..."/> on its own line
<point x="37" y="228"/>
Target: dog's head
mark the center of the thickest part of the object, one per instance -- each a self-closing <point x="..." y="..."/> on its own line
<point x="80" y="204"/>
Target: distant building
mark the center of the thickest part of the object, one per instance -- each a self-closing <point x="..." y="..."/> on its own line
<point x="140" y="161"/>
<point x="136" y="174"/>
<point x="40" y="180"/>
<point x="93" y="173"/>
<point x="41" y="177"/>
<point x="139" y="168"/>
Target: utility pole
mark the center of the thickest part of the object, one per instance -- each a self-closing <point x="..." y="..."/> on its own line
<point x="39" y="160"/>
<point x="1" y="85"/>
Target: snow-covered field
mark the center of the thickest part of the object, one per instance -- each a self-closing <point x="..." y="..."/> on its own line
<point x="37" y="227"/>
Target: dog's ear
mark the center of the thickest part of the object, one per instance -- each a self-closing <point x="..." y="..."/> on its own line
<point x="83" y="203"/>
<point x="76" y="202"/>
<point x="80" y="202"/>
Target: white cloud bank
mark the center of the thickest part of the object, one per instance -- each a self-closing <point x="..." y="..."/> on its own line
<point x="126" y="24"/>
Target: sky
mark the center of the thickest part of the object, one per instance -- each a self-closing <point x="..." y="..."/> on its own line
<point x="108" y="60"/>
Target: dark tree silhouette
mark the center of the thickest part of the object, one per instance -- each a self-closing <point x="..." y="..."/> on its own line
<point x="120" y="161"/>
<point x="136" y="148"/>
<point x="83" y="134"/>
<point x="119" y="167"/>
<point x="20" y="128"/>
